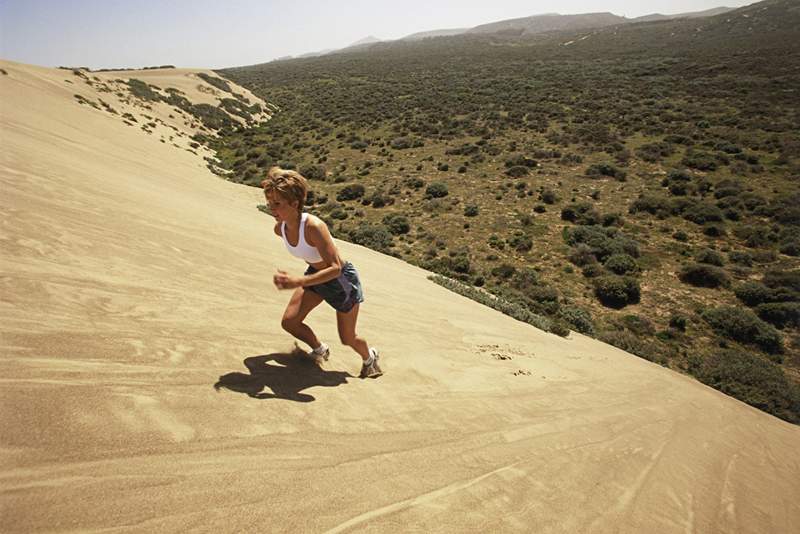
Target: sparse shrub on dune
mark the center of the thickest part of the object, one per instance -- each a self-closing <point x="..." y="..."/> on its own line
<point x="751" y="379"/>
<point x="376" y="237"/>
<point x="514" y="310"/>
<point x="219" y="83"/>
<point x="578" y="318"/>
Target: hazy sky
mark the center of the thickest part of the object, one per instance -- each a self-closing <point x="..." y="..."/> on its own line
<point x="215" y="34"/>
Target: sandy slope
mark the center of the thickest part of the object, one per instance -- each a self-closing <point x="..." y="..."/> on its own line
<point x="133" y="279"/>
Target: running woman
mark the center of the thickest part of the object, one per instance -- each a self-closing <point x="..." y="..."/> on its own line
<point x="327" y="277"/>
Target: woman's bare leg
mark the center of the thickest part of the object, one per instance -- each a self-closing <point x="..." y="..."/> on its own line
<point x="301" y="303"/>
<point x="346" y="322"/>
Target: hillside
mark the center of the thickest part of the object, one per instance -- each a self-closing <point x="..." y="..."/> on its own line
<point x="135" y="282"/>
<point x="636" y="183"/>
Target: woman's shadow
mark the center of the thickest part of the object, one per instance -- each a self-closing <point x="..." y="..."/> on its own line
<point x="295" y="371"/>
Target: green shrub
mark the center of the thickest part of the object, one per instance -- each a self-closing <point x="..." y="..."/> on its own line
<point x="518" y="171"/>
<point x="471" y="210"/>
<point x="711" y="257"/>
<point x="350" y="192"/>
<point x="376" y="237"/>
<point x="313" y="172"/>
<point x="436" y="190"/>
<point x="520" y="242"/>
<point x="780" y="314"/>
<point x="578" y="318"/>
<point x="753" y="293"/>
<point x="702" y="161"/>
<point x="653" y="204"/>
<point x="702" y="213"/>
<point x="635" y="344"/>
<point x="621" y="264"/>
<point x="704" y="275"/>
<point x="742" y="325"/>
<point x="548" y="196"/>
<point x="753" y="380"/>
<point x="617" y="291"/>
<point x="741" y="258"/>
<point x="606" y="169"/>
<point x="518" y="160"/>
<point x="654" y="152"/>
<point x="397" y="224"/>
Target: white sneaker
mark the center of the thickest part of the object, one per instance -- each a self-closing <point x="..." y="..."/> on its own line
<point x="373" y="370"/>
<point x="321" y="352"/>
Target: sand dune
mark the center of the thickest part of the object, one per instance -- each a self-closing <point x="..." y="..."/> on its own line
<point x="134" y="281"/>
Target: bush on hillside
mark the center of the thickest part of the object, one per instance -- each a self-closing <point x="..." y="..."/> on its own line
<point x="621" y="264"/>
<point x="704" y="275"/>
<point x="751" y="379"/>
<point x="617" y="291"/>
<point x="744" y="326"/>
<point x="376" y="237"/>
<point x="780" y="314"/>
<point x="436" y="190"/>
<point x="350" y="192"/>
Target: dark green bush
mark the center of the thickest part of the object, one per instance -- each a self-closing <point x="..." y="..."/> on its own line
<point x="621" y="264"/>
<point x="753" y="293"/>
<point x="376" y="237"/>
<point x="578" y="318"/>
<point x="702" y="161"/>
<point x="780" y="314"/>
<point x="606" y="169"/>
<point x="711" y="257"/>
<point x="436" y="190"/>
<point x="654" y="152"/>
<point x="518" y="171"/>
<point x="471" y="210"/>
<point x="313" y="172"/>
<point x="742" y="325"/>
<point x="751" y="379"/>
<point x="350" y="192"/>
<point x="704" y="275"/>
<point x="702" y="213"/>
<point x="617" y="291"/>
<point x="397" y="224"/>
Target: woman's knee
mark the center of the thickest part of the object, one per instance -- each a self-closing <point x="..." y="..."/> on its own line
<point x="290" y="323"/>
<point x="347" y="338"/>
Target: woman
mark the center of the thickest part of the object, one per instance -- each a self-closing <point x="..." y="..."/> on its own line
<point x="327" y="277"/>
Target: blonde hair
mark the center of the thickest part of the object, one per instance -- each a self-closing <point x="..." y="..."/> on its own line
<point x="289" y="184"/>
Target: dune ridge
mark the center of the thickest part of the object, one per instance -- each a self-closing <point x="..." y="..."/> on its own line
<point x="134" y="281"/>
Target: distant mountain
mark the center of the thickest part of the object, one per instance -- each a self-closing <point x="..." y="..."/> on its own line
<point x="434" y="33"/>
<point x="551" y="22"/>
<point x="692" y="15"/>
<point x="528" y="26"/>
<point x="366" y="40"/>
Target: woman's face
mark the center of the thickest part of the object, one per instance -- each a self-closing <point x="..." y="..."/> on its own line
<point x="281" y="208"/>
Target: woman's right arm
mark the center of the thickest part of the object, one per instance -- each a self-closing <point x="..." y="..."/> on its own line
<point x="277" y="229"/>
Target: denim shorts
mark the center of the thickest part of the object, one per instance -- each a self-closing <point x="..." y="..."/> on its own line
<point x="343" y="292"/>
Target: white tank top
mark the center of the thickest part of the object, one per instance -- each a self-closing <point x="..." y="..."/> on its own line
<point x="303" y="250"/>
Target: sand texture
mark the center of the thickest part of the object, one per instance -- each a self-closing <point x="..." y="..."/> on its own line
<point x="134" y="281"/>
